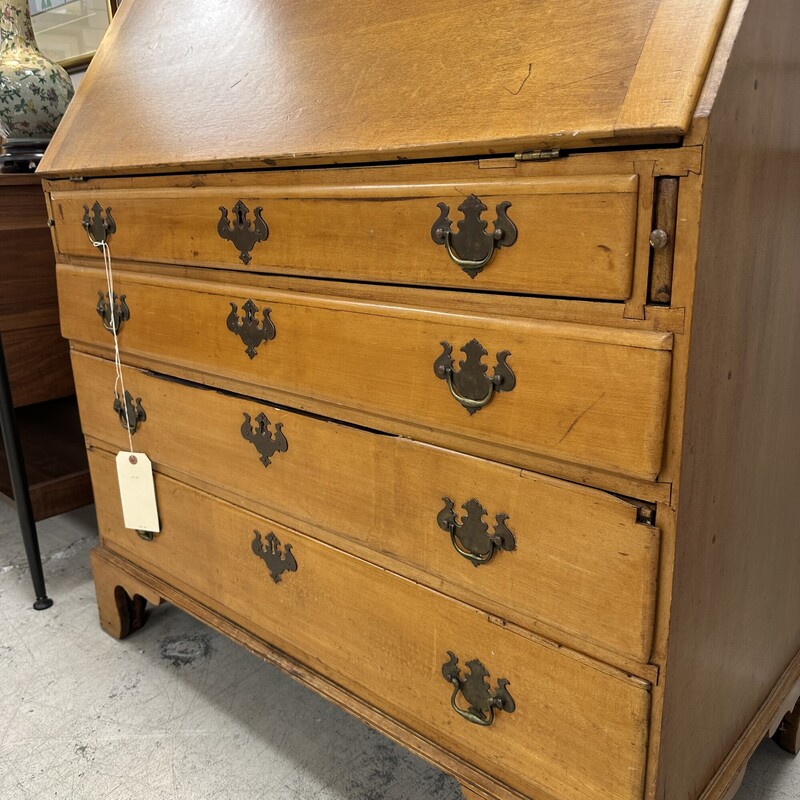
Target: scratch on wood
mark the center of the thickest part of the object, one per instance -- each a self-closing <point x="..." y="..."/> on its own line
<point x="579" y="418"/>
<point x="524" y="81"/>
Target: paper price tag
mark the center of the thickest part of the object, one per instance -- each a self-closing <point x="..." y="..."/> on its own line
<point x="137" y="492"/>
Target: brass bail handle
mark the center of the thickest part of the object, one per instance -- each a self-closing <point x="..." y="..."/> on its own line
<point x="467" y="402"/>
<point x="98" y="224"/>
<point x="472" y="247"/>
<point x="470" y="536"/>
<point x="476" y="559"/>
<point x="483" y="701"/>
<point x="470" y="716"/>
<point x="465" y="263"/>
<point x="113" y="311"/>
<point x="470" y="386"/>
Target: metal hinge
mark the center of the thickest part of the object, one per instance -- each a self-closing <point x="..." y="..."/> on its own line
<point x="538" y="155"/>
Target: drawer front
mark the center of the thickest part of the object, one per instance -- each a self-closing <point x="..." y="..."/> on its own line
<point x="580" y="563"/>
<point x="572" y="236"/>
<point x="577" y="393"/>
<point x="386" y="639"/>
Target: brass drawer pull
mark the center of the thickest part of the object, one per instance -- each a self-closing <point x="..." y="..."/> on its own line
<point x="242" y="233"/>
<point x="270" y="553"/>
<point x="98" y="228"/>
<point x="471" y="387"/>
<point x="112" y="312"/>
<point x="482" y="699"/>
<point x="263" y="439"/>
<point x="249" y="329"/>
<point x="472" y="248"/>
<point x="470" y="537"/>
<point x="135" y="412"/>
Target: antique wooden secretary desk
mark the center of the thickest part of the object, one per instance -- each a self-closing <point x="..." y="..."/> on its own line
<point x="465" y="344"/>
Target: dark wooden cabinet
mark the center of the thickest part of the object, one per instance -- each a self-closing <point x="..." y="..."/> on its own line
<point x="37" y="356"/>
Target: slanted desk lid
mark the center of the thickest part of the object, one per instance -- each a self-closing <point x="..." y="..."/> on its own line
<point x="205" y="84"/>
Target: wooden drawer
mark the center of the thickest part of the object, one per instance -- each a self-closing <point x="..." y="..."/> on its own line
<point x="575" y="235"/>
<point x="582" y="394"/>
<point x="582" y="568"/>
<point x="386" y="639"/>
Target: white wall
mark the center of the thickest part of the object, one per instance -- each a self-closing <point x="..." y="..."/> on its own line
<point x="77" y="77"/>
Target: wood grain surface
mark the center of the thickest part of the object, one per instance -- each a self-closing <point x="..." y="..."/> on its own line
<point x="58" y="475"/>
<point x="691" y="403"/>
<point x="410" y="81"/>
<point x="575" y="234"/>
<point x="38" y="364"/>
<point x="582" y="565"/>
<point x="735" y="617"/>
<point x="386" y="639"/>
<point x="583" y="394"/>
<point x="37" y="357"/>
<point x="27" y="269"/>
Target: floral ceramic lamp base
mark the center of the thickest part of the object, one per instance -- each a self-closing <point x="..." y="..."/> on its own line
<point x="34" y="91"/>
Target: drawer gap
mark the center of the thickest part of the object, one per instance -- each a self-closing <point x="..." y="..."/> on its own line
<point x="130" y="265"/>
<point x="645" y="514"/>
<point x="260" y="401"/>
<point x="645" y="510"/>
<point x="428" y="287"/>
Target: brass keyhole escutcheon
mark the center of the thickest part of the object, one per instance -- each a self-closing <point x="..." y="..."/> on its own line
<point x="131" y="413"/>
<point x="241" y="231"/>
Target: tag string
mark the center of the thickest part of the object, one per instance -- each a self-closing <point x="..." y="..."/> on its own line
<point x="119" y="383"/>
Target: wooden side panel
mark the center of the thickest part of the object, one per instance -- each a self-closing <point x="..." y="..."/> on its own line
<point x="38" y="364"/>
<point x="583" y="394"/>
<point x="27" y="269"/>
<point x="22" y="204"/>
<point x="582" y="566"/>
<point x="385" y="639"/>
<point x="574" y="234"/>
<point x="58" y="474"/>
<point x="36" y="354"/>
<point x="736" y="603"/>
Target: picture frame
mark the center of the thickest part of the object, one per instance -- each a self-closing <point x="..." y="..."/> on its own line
<point x="69" y="31"/>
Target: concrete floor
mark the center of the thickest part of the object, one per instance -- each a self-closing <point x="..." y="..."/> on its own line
<point x="178" y="712"/>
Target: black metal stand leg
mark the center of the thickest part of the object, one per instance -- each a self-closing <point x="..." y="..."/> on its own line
<point x="19" y="484"/>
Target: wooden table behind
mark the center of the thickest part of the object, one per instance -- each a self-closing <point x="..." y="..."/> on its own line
<point x="37" y="356"/>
